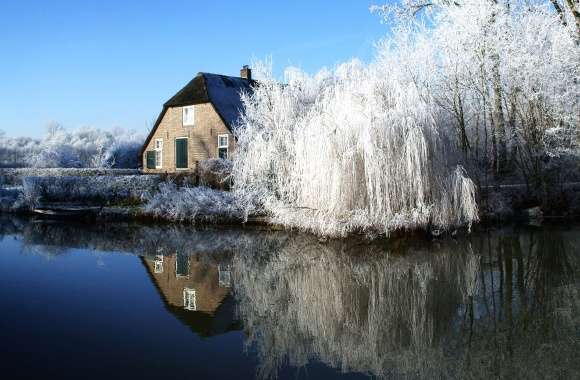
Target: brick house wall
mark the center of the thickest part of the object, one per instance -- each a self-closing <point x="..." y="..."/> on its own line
<point x="204" y="278"/>
<point x="202" y="137"/>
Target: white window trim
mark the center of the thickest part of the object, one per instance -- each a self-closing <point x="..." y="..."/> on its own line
<point x="189" y="299"/>
<point x="158" y="264"/>
<point x="226" y="146"/>
<point x="159" y="165"/>
<point x="192" y="110"/>
<point x="175" y="153"/>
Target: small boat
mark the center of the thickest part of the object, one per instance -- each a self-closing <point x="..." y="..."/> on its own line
<point x="64" y="210"/>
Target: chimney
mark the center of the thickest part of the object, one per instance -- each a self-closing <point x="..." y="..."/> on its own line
<point x="246" y="73"/>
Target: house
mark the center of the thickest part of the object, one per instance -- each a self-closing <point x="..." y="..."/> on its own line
<point x="197" y="123"/>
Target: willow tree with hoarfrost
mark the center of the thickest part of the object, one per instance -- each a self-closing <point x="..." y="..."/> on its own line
<point x="360" y="148"/>
<point x="490" y="86"/>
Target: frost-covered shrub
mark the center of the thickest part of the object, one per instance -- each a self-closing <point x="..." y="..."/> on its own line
<point x="55" y="156"/>
<point x="131" y="188"/>
<point x="496" y="206"/>
<point x="193" y="204"/>
<point x="357" y="149"/>
<point x="215" y="173"/>
<point x="12" y="199"/>
<point x="14" y="176"/>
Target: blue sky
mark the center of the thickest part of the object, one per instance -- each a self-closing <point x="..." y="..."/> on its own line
<point x="113" y="63"/>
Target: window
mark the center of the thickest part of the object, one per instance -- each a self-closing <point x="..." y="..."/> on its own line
<point x="150" y="159"/>
<point x="158" y="153"/>
<point x="158" y="263"/>
<point x="223" y="146"/>
<point x="181" y="159"/>
<point x="224" y="276"/>
<point x="189" y="301"/>
<point x="181" y="265"/>
<point x="188" y="116"/>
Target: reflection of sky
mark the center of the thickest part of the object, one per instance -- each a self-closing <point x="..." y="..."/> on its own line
<point x="68" y="314"/>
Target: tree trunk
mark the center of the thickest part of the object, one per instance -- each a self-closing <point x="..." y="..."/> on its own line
<point x="576" y="14"/>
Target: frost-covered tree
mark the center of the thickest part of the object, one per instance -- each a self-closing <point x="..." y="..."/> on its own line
<point x="491" y="85"/>
<point x="506" y="73"/>
<point x="354" y="149"/>
<point x="85" y="147"/>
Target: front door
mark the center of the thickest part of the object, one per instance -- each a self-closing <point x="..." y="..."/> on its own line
<point x="181" y="153"/>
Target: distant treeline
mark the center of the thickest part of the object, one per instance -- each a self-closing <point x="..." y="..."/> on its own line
<point x="81" y="148"/>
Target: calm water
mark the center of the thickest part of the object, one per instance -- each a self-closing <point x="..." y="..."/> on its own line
<point x="127" y="301"/>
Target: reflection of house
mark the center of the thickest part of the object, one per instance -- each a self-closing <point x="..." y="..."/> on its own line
<point x="196" y="292"/>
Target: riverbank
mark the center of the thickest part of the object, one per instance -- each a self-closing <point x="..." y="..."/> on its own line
<point x="105" y="196"/>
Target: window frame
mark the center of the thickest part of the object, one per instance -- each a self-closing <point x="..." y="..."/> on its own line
<point x="147" y="162"/>
<point x="158" y="264"/>
<point x="224" y="276"/>
<point x="184" y="110"/>
<point x="158" y="150"/>
<point x="180" y="275"/>
<point x="189" y="295"/>
<point x="226" y="146"/>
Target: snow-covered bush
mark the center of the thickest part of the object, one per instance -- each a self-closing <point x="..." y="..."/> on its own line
<point x="104" y="189"/>
<point x="12" y="199"/>
<point x="14" y="176"/>
<point x="215" y="173"/>
<point x="193" y="204"/>
<point x="85" y="147"/>
<point x="361" y="148"/>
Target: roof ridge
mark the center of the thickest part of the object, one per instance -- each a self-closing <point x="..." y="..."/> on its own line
<point x="219" y="75"/>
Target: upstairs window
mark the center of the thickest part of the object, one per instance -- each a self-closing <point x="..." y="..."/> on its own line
<point x="223" y="146"/>
<point x="188" y="116"/>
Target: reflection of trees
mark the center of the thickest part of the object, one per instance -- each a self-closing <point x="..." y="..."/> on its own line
<point x="368" y="312"/>
<point x="497" y="304"/>
<point x="483" y="307"/>
<point x="529" y="283"/>
<point x="133" y="238"/>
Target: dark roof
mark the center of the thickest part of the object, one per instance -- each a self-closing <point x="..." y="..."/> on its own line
<point x="223" y="91"/>
<point x="195" y="92"/>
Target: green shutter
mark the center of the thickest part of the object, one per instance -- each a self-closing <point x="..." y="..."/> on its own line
<point x="150" y="157"/>
<point x="181" y="153"/>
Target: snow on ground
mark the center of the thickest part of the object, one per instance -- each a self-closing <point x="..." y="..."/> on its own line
<point x="14" y="176"/>
<point x="102" y="189"/>
<point x="194" y="204"/>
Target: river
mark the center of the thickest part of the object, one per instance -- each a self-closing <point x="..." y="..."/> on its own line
<point x="141" y="301"/>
